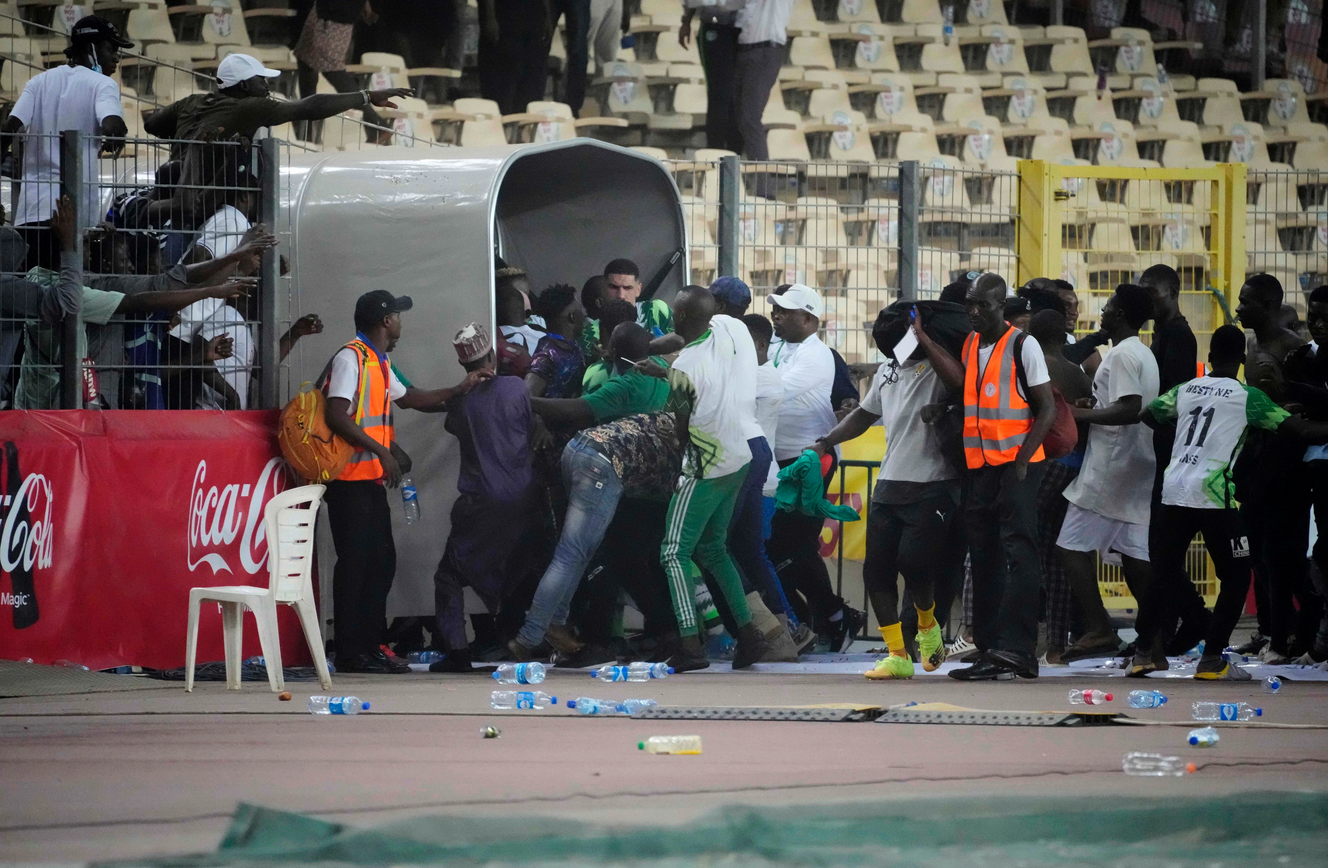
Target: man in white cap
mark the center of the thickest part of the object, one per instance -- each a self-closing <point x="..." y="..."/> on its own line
<point x="807" y="370"/>
<point x="242" y="105"/>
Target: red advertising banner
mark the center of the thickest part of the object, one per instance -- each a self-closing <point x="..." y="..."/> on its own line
<point x="108" y="518"/>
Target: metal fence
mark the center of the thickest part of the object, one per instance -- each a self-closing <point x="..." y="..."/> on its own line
<point x="1286" y="232"/>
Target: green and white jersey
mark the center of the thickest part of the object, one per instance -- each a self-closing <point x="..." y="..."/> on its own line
<point x="713" y="382"/>
<point x="655" y="317"/>
<point x="1211" y="415"/>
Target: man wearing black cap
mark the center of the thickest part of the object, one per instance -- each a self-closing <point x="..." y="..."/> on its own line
<point x="361" y="387"/>
<point x="78" y="96"/>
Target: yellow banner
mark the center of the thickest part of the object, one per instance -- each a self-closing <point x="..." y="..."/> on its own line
<point x="868" y="447"/>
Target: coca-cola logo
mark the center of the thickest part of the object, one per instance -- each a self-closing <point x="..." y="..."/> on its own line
<point x="218" y="516"/>
<point x="28" y="536"/>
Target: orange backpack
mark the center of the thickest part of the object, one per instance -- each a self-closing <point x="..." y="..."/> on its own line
<point x="308" y="444"/>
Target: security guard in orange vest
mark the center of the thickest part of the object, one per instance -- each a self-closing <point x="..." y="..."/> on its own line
<point x="1008" y="410"/>
<point x="362" y="387"/>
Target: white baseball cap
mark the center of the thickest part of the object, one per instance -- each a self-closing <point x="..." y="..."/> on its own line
<point x="801" y="297"/>
<point x="235" y="68"/>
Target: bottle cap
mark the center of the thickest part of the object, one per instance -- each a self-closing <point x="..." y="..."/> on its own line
<point x="1258" y="712"/>
<point x="1109" y="697"/>
<point x="495" y="675"/>
<point x="595" y="674"/>
<point x="553" y="700"/>
<point x="1191" y="768"/>
<point x="670" y="670"/>
<point x="1194" y="739"/>
<point x="571" y="703"/>
<point x="1164" y="698"/>
<point x="640" y="745"/>
<point x="365" y="706"/>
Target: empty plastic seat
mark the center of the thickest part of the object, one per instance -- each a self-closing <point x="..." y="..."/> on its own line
<point x="624" y="92"/>
<point x="148" y="24"/>
<point x="219" y="23"/>
<point x="831" y="96"/>
<point x="863" y="49"/>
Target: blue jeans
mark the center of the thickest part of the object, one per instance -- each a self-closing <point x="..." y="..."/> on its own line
<point x="593" y="491"/>
<point x="747" y="532"/>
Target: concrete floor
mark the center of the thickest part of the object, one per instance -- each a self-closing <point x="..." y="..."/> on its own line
<point x="159" y="772"/>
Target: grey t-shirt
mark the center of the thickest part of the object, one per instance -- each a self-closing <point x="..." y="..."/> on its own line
<point x="913" y="461"/>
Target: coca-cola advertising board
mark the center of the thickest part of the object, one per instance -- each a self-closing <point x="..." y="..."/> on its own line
<point x="108" y="518"/>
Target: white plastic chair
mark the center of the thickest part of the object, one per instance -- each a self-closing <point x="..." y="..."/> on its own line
<point x="289" y="522"/>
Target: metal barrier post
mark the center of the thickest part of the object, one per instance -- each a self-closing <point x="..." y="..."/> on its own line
<point x="269" y="275"/>
<point x="910" y="195"/>
<point x="1260" y="59"/>
<point x="71" y="185"/>
<point x="1037" y="241"/>
<point x="1233" y="201"/>
<point x="730" y="194"/>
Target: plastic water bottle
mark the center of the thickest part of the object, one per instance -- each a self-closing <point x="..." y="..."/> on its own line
<point x="671" y="744"/>
<point x="947" y="29"/>
<point x="410" y="500"/>
<point x="70" y="664"/>
<point x="633" y="672"/>
<point x="1194" y="653"/>
<point x="1203" y="737"/>
<point x="1089" y="697"/>
<point x="425" y="656"/>
<point x="1152" y="765"/>
<point x="336" y="705"/>
<point x="586" y="705"/>
<point x="1272" y="684"/>
<point x="1147" y="699"/>
<point x="524" y="700"/>
<point x="256" y="661"/>
<point x="1225" y="711"/>
<point x="519" y="673"/>
<point x="632" y="706"/>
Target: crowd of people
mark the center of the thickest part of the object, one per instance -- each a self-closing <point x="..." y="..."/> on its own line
<point x="618" y="450"/>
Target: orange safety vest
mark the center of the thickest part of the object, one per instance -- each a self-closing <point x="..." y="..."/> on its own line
<point x="996" y="416"/>
<point x="373" y="411"/>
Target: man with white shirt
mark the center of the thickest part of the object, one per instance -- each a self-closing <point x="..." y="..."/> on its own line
<point x="762" y="25"/>
<point x="80" y="95"/>
<point x="807" y="370"/>
<point x="1110" y="498"/>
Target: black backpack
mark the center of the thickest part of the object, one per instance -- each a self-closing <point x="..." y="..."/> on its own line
<point x="945" y="322"/>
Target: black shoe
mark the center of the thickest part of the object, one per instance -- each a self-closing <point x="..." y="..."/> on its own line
<point x="971" y="657"/>
<point x="685" y="655"/>
<point x="455" y="661"/>
<point x="589" y="655"/>
<point x="751" y="646"/>
<point x="1257" y="643"/>
<point x="843" y="631"/>
<point x="985" y="669"/>
<point x="375" y="663"/>
<point x="1023" y="665"/>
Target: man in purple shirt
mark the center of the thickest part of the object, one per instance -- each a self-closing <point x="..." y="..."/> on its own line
<point x="494" y="426"/>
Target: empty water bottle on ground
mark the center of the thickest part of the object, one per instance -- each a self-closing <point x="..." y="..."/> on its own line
<point x="639" y="671"/>
<point x="1203" y="737"/>
<point x="1152" y="765"/>
<point x="1089" y="697"/>
<point x="587" y="705"/>
<point x="410" y="500"/>
<point x="1272" y="684"/>
<point x="1147" y="699"/>
<point x="1225" y="711"/>
<point x="521" y="699"/>
<point x="425" y="656"/>
<point x="632" y="706"/>
<point x="519" y="673"/>
<point x="336" y="705"/>
<point x="671" y="744"/>
<point x="70" y="664"/>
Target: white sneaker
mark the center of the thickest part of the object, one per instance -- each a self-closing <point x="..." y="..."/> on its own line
<point x="959" y="647"/>
<point x="1042" y="661"/>
<point x="1272" y="658"/>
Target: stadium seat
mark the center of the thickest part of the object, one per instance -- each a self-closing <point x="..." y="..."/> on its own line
<point x="149" y="24"/>
<point x="936" y="268"/>
<point x="863" y="49"/>
<point x="219" y="23"/>
<point x="269" y="25"/>
<point x="831" y="96"/>
<point x="551" y="122"/>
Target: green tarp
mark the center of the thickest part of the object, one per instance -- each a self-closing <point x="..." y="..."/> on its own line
<point x="1270" y="830"/>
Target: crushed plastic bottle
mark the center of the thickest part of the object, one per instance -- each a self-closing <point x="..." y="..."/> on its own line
<point x="425" y="656"/>
<point x="639" y="671"/>
<point x="337" y="705"/>
<point x="587" y="705"/>
<point x="410" y="500"/>
<point x="671" y="744"/>
<point x="70" y="664"/>
<point x="1194" y="653"/>
<point x="523" y="700"/>
<point x="1272" y="684"/>
<point x="255" y="661"/>
<point x="1224" y="711"/>
<point x="1147" y="699"/>
<point x="1203" y="737"/>
<point x="1089" y="697"/>
<point x="632" y="706"/>
<point x="1152" y="765"/>
<point x="519" y="673"/>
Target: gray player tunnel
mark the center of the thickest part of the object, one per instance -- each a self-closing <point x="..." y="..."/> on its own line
<point x="565" y="212"/>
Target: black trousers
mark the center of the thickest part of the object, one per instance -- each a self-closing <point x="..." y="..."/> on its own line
<point x="718" y="46"/>
<point x="1277" y="521"/>
<point x="1187" y="605"/>
<point x="914" y="539"/>
<point x="578" y="50"/>
<point x="1000" y="519"/>
<point x="514" y="70"/>
<point x="1168" y="541"/>
<point x="795" y="550"/>
<point x="366" y="564"/>
<point x="627" y="560"/>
